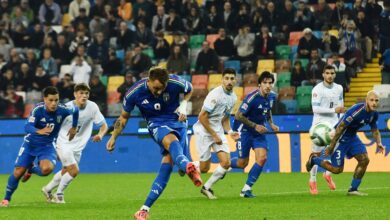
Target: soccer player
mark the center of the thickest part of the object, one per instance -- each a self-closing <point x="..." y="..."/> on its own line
<point x="253" y="113"/>
<point x="346" y="142"/>
<point x="158" y="98"/>
<point x="327" y="102"/>
<point x="70" y="152"/>
<point x="42" y="129"/>
<point x="214" y="120"/>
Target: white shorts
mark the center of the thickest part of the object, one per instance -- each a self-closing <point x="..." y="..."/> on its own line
<point x="204" y="143"/>
<point x="68" y="156"/>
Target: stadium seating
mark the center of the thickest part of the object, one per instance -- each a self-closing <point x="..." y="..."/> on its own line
<point x="286" y="93"/>
<point x="282" y="51"/>
<point x="149" y="52"/>
<point x="317" y="34"/>
<point x="239" y="91"/>
<point x="294" y="38"/>
<point x="64" y="69"/>
<point x="265" y="65"/>
<point x="290" y="105"/>
<point x="282" y="65"/>
<point x="113" y="97"/>
<point x="65" y="20"/>
<point x="186" y="77"/>
<point x="162" y="65"/>
<point x="334" y="32"/>
<point x="27" y="110"/>
<point x="234" y="64"/>
<point x="239" y="79"/>
<point x="168" y="38"/>
<point x="193" y="56"/>
<point x="383" y="90"/>
<point x="249" y="89"/>
<point x="114" y="110"/>
<point x="197" y="98"/>
<point x="120" y="54"/>
<point x="250" y="79"/>
<point x="284" y="80"/>
<point x="196" y="41"/>
<point x="104" y="80"/>
<point x="303" y="97"/>
<point x="114" y="82"/>
<point x="211" y="38"/>
<point x="214" y="81"/>
<point x="199" y="81"/>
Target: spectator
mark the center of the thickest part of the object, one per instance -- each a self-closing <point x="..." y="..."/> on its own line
<point x="264" y="44"/>
<point x="175" y="5"/>
<point x="350" y="46"/>
<point x="14" y="62"/>
<point x="49" y="32"/>
<point x="224" y="46"/>
<point x="98" y="93"/>
<point x="113" y="66"/>
<point x="65" y="88"/>
<point x="5" y="8"/>
<point x="271" y="16"/>
<point x="50" y="12"/>
<point x="31" y="59"/>
<point x="384" y="30"/>
<point x="159" y="20"/>
<point x="161" y="47"/>
<point x="357" y="6"/>
<point x="98" y="25"/>
<point x="139" y="62"/>
<point x="177" y="63"/>
<point x="145" y="6"/>
<point x="340" y="12"/>
<point x="61" y="51"/>
<point x="244" y="42"/>
<point x="80" y="39"/>
<point x="82" y="18"/>
<point x="180" y="40"/>
<point x="75" y="6"/>
<point x="26" y="11"/>
<point x="97" y="8"/>
<point x="8" y="79"/>
<point x="194" y="24"/>
<point x="207" y="60"/>
<point x="257" y="21"/>
<point x="49" y="64"/>
<point x="98" y="50"/>
<point x="322" y="15"/>
<point x="80" y="70"/>
<point x="126" y="85"/>
<point x="125" y="37"/>
<point x="342" y="77"/>
<point x="286" y="17"/>
<point x="68" y="33"/>
<point x="5" y="48"/>
<point x="303" y="16"/>
<point x="18" y="18"/>
<point x="212" y="20"/>
<point x="143" y="35"/>
<point x="243" y="17"/>
<point x="2" y="61"/>
<point x="298" y="74"/>
<point x="25" y="78"/>
<point x="385" y="66"/>
<point x="173" y="22"/>
<point x="47" y="43"/>
<point x="314" y="69"/>
<point x="228" y="18"/>
<point x="41" y="80"/>
<point x="125" y="10"/>
<point x="20" y="36"/>
<point x="329" y="43"/>
<point x="367" y="32"/>
<point x="307" y="43"/>
<point x="14" y="103"/>
<point x="373" y="11"/>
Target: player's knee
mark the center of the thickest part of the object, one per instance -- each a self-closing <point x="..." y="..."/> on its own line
<point x="261" y="161"/>
<point x="225" y="164"/>
<point x="365" y="162"/>
<point x="338" y="170"/>
<point x="19" y="171"/>
<point x="242" y="163"/>
<point x="205" y="168"/>
<point x="46" y="170"/>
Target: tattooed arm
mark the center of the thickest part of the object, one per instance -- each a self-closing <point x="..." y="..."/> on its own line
<point x="339" y="131"/>
<point x="119" y="125"/>
<point x="378" y="140"/>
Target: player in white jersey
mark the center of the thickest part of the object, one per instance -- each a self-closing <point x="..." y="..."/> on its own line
<point x="69" y="152"/>
<point x="214" y="120"/>
<point x="327" y="102"/>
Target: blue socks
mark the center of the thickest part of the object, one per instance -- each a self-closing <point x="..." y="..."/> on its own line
<point x="11" y="187"/>
<point x="37" y="170"/>
<point x="254" y="174"/>
<point x="233" y="162"/>
<point x="317" y="160"/>
<point x="176" y="151"/>
<point x="159" y="184"/>
<point x="355" y="184"/>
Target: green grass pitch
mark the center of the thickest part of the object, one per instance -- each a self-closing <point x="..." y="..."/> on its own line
<point x="279" y="196"/>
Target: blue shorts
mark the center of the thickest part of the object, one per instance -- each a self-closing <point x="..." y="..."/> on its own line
<point x="348" y="147"/>
<point x="28" y="153"/>
<point x="250" y="141"/>
<point x="178" y="129"/>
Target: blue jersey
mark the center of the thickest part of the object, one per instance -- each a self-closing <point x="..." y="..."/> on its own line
<point x="40" y="118"/>
<point x="256" y="108"/>
<point x="157" y="110"/>
<point x="357" y="117"/>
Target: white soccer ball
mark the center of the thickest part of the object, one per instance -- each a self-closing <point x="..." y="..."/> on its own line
<point x="321" y="133"/>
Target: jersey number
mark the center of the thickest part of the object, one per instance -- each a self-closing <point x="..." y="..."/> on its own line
<point x="331" y="105"/>
<point x="157" y="106"/>
<point x="50" y="125"/>
<point x="338" y="152"/>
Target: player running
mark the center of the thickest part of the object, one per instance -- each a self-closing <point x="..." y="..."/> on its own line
<point x="346" y="142"/>
<point x="42" y="129"/>
<point x="214" y="120"/>
<point x="158" y="98"/>
<point x="70" y="152"/>
<point x="253" y="113"/>
<point x="327" y="102"/>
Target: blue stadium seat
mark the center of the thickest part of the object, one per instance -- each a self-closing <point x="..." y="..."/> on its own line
<point x="290" y="105"/>
<point x="235" y="64"/>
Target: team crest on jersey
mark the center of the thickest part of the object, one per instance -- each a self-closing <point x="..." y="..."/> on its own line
<point x="244" y="106"/>
<point x="59" y="119"/>
<point x="349" y="119"/>
<point x="166" y="97"/>
<point x="314" y="94"/>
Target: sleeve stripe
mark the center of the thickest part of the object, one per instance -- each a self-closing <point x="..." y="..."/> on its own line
<point x="252" y="96"/>
<point x="36" y="108"/>
<point x="358" y="111"/>
<point x="177" y="82"/>
<point x="131" y="91"/>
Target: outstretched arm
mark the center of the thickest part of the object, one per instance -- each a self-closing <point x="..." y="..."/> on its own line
<point x="378" y="140"/>
<point x="119" y="125"/>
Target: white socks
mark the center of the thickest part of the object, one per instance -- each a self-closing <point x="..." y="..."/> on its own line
<point x="313" y="173"/>
<point x="146" y="208"/>
<point x="65" y="180"/>
<point x="328" y="173"/>
<point x="218" y="174"/>
<point x="246" y="188"/>
<point x="54" y="182"/>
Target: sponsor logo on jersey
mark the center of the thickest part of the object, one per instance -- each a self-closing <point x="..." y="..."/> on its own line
<point x="43" y="120"/>
<point x="145" y="101"/>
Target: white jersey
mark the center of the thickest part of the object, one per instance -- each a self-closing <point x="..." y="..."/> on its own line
<point x="87" y="117"/>
<point x="218" y="103"/>
<point x="324" y="101"/>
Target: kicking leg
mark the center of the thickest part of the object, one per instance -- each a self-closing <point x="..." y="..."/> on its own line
<point x="158" y="187"/>
<point x="71" y="172"/>
<point x="12" y="185"/>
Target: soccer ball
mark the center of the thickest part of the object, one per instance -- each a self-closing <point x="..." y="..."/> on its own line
<point x="321" y="133"/>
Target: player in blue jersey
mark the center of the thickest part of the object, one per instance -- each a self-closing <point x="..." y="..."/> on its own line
<point x="42" y="129"/>
<point x="158" y="99"/>
<point x="346" y="143"/>
<point x="250" y="120"/>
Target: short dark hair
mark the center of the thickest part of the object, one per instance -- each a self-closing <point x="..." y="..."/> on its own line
<point x="328" y="67"/>
<point x="81" y="87"/>
<point x="265" y="75"/>
<point x="160" y="74"/>
<point x="50" y="90"/>
<point x="229" y="71"/>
